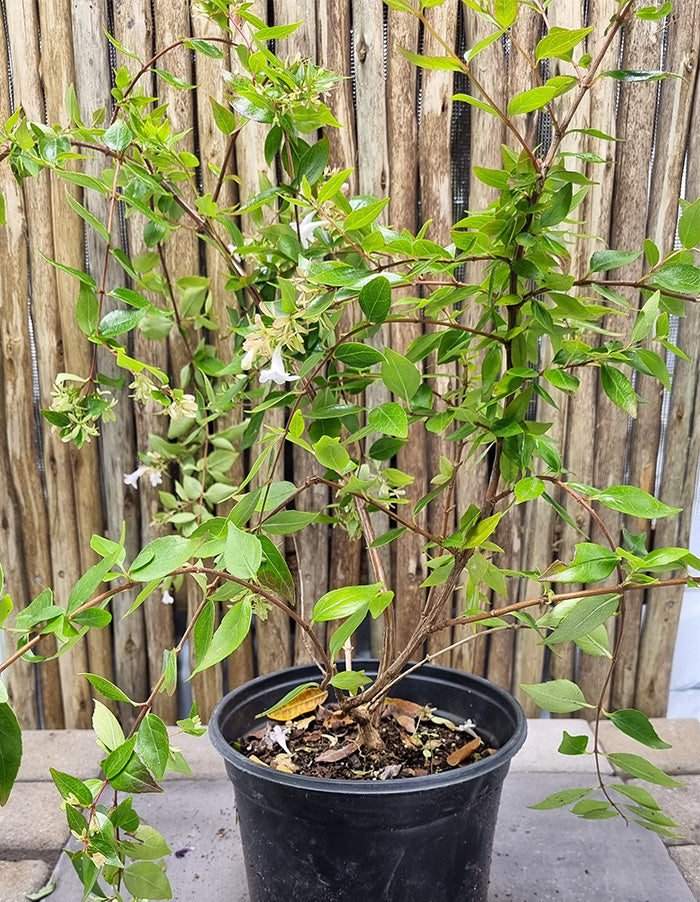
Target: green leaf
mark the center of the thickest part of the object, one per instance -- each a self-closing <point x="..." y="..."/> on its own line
<point x="286" y="522"/>
<point x="242" y="552"/>
<point x="276" y="32"/>
<point x="330" y="188"/>
<point x="359" y="356"/>
<point x="117" y="760"/>
<point x="331" y="454"/>
<point x="10" y="750"/>
<point x="107" y="689"/>
<point x="528" y="488"/>
<point x="87" y="309"/>
<point x="45" y="890"/>
<point x="3" y="216"/>
<point x="148" y="844"/>
<point x="640" y="767"/>
<point x="169" y="670"/>
<point x="117" y="322"/>
<point x="583" y="617"/>
<point x="118" y="136"/>
<point x="153" y="744"/>
<point x="591" y="563"/>
<point x="680" y="277"/>
<point x="146" y="880"/>
<point x="364" y="216"/>
<point x="223" y="117"/>
<point x="84" y="214"/>
<point x="161" y="556"/>
<point x="346" y="629"/>
<point x="206" y="48"/>
<point x="619" y="389"/>
<point x="505" y="12"/>
<point x="637" y="793"/>
<point x="432" y="62"/>
<point x="73" y="790"/>
<point x="560" y="42"/>
<point x="388" y="537"/>
<point x="389" y="418"/>
<point x="646" y="318"/>
<point x="95" y="618"/>
<point x="689" y="225"/>
<point x="572" y="745"/>
<point x="561" y="379"/>
<point x="234" y="627"/>
<point x="400" y="375"/>
<point x="350" y="680"/>
<point x="628" y="499"/>
<point x="107" y="727"/>
<point x="529" y="101"/>
<point x="602" y="261"/>
<point x="344" y="601"/>
<point x="637" y="725"/>
<point x="633" y="75"/>
<point x="274" y="572"/>
<point x="561" y="799"/>
<point x="651" y="13"/>
<point x="557" y="696"/>
<point x="375" y="300"/>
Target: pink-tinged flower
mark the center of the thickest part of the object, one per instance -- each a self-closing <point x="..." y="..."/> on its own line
<point x="276" y="372"/>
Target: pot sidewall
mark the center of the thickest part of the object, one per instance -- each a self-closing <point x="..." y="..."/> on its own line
<point x="306" y="838"/>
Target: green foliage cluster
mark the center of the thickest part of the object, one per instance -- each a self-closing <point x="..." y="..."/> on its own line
<point x="308" y="286"/>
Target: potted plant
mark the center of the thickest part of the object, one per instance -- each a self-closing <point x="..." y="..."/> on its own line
<point x="312" y="280"/>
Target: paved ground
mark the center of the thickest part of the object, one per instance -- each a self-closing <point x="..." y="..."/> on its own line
<point x="538" y="856"/>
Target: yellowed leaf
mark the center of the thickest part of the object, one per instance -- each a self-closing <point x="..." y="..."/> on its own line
<point x="461" y="754"/>
<point x="257" y="760"/>
<point x="306" y="701"/>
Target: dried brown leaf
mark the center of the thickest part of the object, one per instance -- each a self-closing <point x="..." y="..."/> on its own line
<point x="463" y="752"/>
<point x="337" y="754"/>
<point x="404" y="706"/>
<point x="306" y="701"/>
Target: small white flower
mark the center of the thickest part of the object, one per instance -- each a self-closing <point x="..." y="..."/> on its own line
<point x="306" y="228"/>
<point x="186" y="406"/>
<point x="155" y="477"/>
<point x="132" y="479"/>
<point x="278" y="735"/>
<point x="277" y="373"/>
<point x="167" y="598"/>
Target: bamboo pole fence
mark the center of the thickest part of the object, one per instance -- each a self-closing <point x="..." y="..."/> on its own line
<point x="409" y="142"/>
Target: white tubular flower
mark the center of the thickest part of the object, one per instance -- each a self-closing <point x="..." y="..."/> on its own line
<point x="306" y="228"/>
<point x="167" y="598"/>
<point x="276" y="372"/>
<point x="132" y="479"/>
<point x="155" y="477"/>
<point x="184" y="407"/>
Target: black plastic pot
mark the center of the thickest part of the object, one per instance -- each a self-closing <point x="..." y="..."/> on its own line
<point x="429" y="838"/>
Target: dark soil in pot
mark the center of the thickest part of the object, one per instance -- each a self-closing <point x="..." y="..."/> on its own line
<point x="307" y="839"/>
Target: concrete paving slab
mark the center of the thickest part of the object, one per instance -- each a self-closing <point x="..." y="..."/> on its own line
<point x="204" y="761"/>
<point x="540" y="755"/>
<point x="20" y="877"/>
<point x="683" y="735"/>
<point x="682" y="804"/>
<point x="32" y="825"/>
<point x="198" y="820"/>
<point x="538" y="856"/>
<point x="553" y="856"/>
<point x="687" y="859"/>
<point x="74" y="751"/>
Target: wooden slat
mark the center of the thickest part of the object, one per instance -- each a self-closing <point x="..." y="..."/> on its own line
<point x="50" y="360"/>
<point x="373" y="179"/>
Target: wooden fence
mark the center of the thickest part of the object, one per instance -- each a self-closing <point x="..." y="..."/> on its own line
<point x="409" y="143"/>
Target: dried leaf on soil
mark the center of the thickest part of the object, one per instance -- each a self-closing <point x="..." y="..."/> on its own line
<point x="463" y="752"/>
<point x="306" y="701"/>
<point x="337" y="754"/>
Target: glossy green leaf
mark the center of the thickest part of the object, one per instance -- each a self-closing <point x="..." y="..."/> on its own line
<point x="108" y="689"/>
<point x="364" y="216"/>
<point x="400" y="375"/>
<point x="346" y="629"/>
<point x="561" y="799"/>
<point x="118" y="136"/>
<point x="375" y="300"/>
<point x="146" y="880"/>
<point x="681" y="277"/>
<point x="10" y="750"/>
<point x="689" y="225"/>
<point x="274" y="572"/>
<point x="528" y="488"/>
<point x="603" y="261"/>
<point x="560" y="42"/>
<point x="117" y="322"/>
<point x="117" y="759"/>
<point x="153" y="744"/>
<point x="331" y="454"/>
<point x="361" y="356"/>
<point x="583" y="617"/>
<point x="505" y="12"/>
<point x="161" y="557"/>
<point x="350" y="680"/>
<point x="637" y="725"/>
<point x="223" y="117"/>
<point x="591" y="563"/>
<point x="344" y="601"/>
<point x="619" y="389"/>
<point x="389" y="418"/>
<point x="628" y="76"/>
<point x="234" y="627"/>
<point x="641" y="768"/>
<point x="286" y="522"/>
<point x="531" y="100"/>
<point x="573" y="745"/>
<point x="432" y="62"/>
<point x="242" y="552"/>
<point x="73" y="790"/>
<point x="628" y="499"/>
<point x="557" y="696"/>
